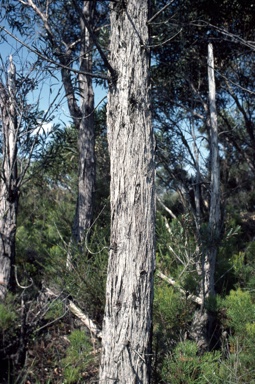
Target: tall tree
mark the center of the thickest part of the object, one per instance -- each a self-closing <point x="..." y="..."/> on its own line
<point x="126" y="339"/>
<point x="210" y="240"/>
<point x="214" y="225"/>
<point x="86" y="140"/>
<point x="68" y="40"/>
<point x="20" y="125"/>
<point x="9" y="180"/>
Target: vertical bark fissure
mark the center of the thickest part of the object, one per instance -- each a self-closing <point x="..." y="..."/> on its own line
<point x="126" y="338"/>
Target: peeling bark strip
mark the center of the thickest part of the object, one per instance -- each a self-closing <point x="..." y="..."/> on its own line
<point x="126" y="336"/>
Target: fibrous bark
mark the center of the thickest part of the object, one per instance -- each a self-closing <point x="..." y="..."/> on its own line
<point x="126" y="335"/>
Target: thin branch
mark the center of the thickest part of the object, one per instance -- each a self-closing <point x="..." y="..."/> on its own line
<point x="85" y="319"/>
<point x="17" y="281"/>
<point x="159" y="12"/>
<point x="166" y="208"/>
<point x="172" y="282"/>
<point x="51" y="322"/>
<point x="93" y="75"/>
<point x="235" y="38"/>
<point x="78" y="312"/>
<point x="165" y="41"/>
<point x="88" y="231"/>
<point x="94" y="39"/>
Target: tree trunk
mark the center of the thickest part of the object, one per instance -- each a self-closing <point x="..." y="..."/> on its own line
<point x="8" y="183"/>
<point x="202" y="329"/>
<point x="86" y="139"/>
<point x="82" y="115"/>
<point x="214" y="214"/>
<point x="126" y="336"/>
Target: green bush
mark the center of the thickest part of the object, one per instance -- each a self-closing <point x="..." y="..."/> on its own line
<point x="55" y="311"/>
<point x="239" y="309"/>
<point x="78" y="358"/>
<point x="185" y="366"/>
<point x="7" y="314"/>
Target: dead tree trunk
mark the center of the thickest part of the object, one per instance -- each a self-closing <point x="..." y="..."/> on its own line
<point x="8" y="182"/>
<point x="126" y="336"/>
<point x="203" y="320"/>
<point x="215" y="200"/>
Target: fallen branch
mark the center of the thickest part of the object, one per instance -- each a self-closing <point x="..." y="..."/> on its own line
<point x="172" y="282"/>
<point x="92" y="327"/>
<point x="85" y="319"/>
<point x="166" y="208"/>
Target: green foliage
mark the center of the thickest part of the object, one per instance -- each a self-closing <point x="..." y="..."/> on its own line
<point x="78" y="358"/>
<point x="8" y="315"/>
<point x="175" y="246"/>
<point x="239" y="310"/>
<point x="171" y="315"/>
<point x="55" y="310"/>
<point x="87" y="280"/>
<point x="169" y="306"/>
<point x="185" y="365"/>
<point x="246" y="270"/>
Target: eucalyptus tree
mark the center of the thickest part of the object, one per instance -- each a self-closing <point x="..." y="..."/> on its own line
<point x="126" y="336"/>
<point x="182" y="115"/>
<point x="20" y="124"/>
<point x="9" y="180"/>
<point x="66" y="37"/>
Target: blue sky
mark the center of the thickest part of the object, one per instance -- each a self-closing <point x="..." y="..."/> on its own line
<point x="50" y="90"/>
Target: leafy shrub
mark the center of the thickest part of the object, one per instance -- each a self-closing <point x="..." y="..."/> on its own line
<point x="186" y="366"/>
<point x="56" y="310"/>
<point x="7" y="314"/>
<point x="78" y="358"/>
<point x="171" y="316"/>
<point x="240" y="310"/>
<point x="240" y="321"/>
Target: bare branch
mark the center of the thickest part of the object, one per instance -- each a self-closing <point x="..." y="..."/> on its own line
<point x="172" y="282"/>
<point x="85" y="319"/>
<point x="78" y="312"/>
<point x="166" y="208"/>
<point x="159" y="12"/>
<point x="17" y="281"/>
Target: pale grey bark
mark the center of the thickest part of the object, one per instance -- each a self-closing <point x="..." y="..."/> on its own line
<point x="9" y="181"/>
<point x="203" y="320"/>
<point x="215" y="201"/>
<point x="126" y="335"/>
